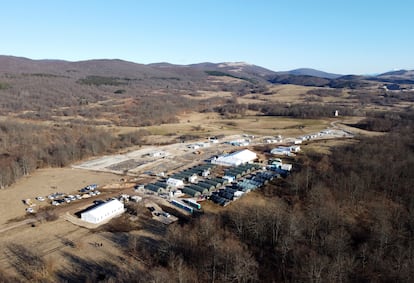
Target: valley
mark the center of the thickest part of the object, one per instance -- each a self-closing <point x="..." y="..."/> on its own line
<point x="121" y="125"/>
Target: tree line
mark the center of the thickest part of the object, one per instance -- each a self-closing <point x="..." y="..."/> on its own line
<point x="25" y="147"/>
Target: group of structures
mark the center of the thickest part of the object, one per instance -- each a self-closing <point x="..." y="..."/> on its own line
<point x="223" y="179"/>
<point x="238" y="174"/>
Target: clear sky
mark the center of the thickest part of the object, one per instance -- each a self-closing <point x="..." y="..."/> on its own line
<point x="339" y="36"/>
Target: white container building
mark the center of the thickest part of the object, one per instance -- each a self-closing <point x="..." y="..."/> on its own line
<point x="281" y="150"/>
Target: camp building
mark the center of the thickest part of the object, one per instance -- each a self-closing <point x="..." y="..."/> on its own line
<point x="103" y="211"/>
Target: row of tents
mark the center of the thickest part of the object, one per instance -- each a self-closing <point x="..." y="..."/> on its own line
<point x="241" y="170"/>
<point x="200" y="170"/>
<point x="209" y="186"/>
<point x="204" y="187"/>
<point x="229" y="193"/>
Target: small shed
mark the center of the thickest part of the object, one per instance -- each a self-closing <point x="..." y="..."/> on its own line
<point x="229" y="178"/>
<point x="294" y="148"/>
<point x="286" y="167"/>
<point x="192" y="178"/>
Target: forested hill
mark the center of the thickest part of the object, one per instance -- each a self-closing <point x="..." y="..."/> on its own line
<point x="114" y="72"/>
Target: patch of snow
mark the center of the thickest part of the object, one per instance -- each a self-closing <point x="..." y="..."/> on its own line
<point x="233" y="64"/>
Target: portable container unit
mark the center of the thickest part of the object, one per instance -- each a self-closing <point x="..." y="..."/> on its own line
<point x="192" y="203"/>
<point x="136" y="198"/>
<point x="192" y="178"/>
<point x="182" y="206"/>
<point x="281" y="150"/>
<point x="286" y="167"/>
<point x="294" y="148"/>
<point x="205" y="173"/>
<point x="238" y="194"/>
<point x="229" y="178"/>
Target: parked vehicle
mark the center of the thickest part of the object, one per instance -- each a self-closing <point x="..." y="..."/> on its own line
<point x="30" y="210"/>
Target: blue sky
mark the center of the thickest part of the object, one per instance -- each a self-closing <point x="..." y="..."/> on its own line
<point x="340" y="36"/>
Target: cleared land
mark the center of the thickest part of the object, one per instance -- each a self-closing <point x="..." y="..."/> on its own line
<point x="44" y="182"/>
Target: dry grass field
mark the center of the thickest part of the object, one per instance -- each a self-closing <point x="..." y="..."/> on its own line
<point x="44" y="182"/>
<point x="212" y="124"/>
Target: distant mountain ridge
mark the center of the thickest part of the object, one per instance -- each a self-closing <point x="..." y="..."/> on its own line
<point x="195" y="72"/>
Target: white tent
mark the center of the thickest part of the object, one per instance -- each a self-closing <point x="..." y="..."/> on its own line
<point x="235" y="158"/>
<point x="103" y="211"/>
<point x="175" y="182"/>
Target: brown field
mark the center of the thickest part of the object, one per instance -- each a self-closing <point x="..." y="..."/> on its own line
<point x="209" y="124"/>
<point x="44" y="182"/>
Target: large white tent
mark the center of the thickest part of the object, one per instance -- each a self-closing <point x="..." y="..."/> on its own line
<point x="103" y="211"/>
<point x="236" y="158"/>
<point x="176" y="183"/>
